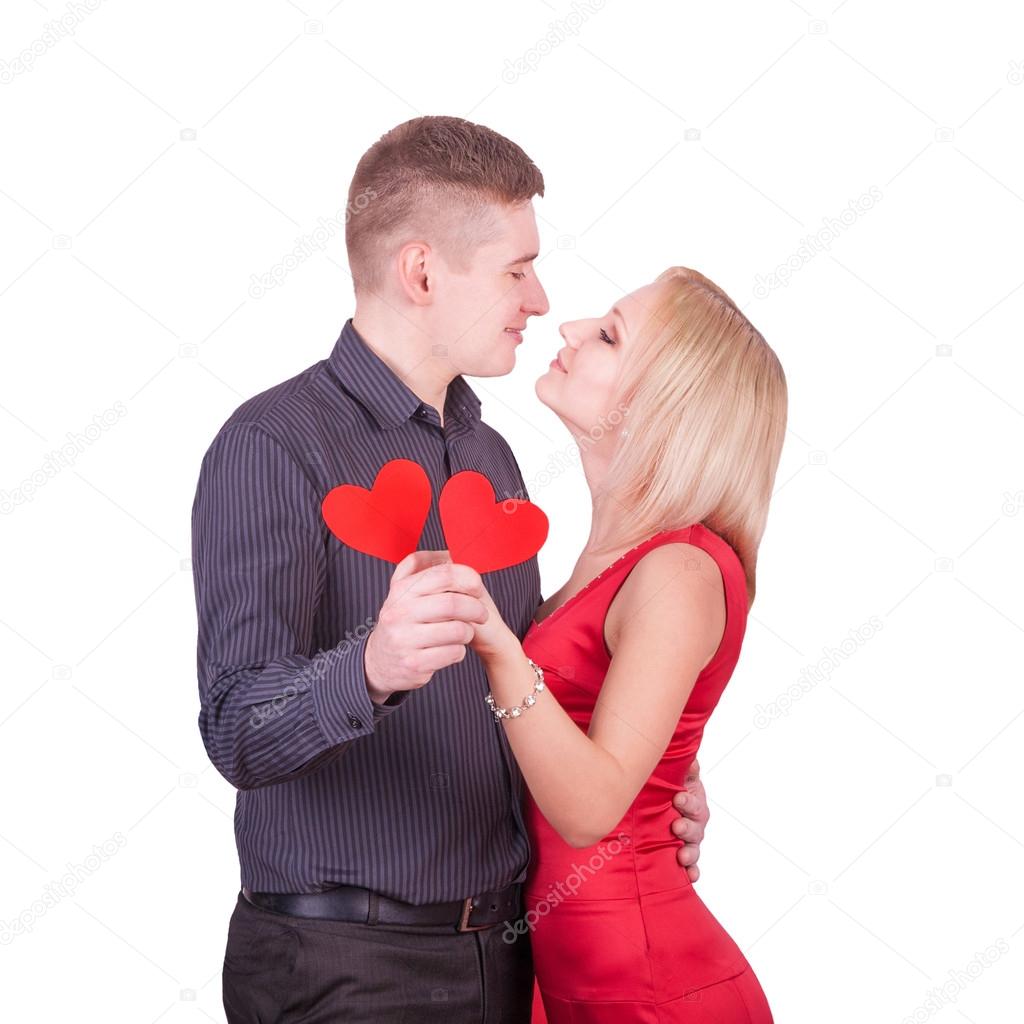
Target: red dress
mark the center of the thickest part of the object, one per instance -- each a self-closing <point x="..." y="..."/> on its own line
<point x="617" y="930"/>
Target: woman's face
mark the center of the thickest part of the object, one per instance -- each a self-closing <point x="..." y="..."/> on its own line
<point x="581" y="392"/>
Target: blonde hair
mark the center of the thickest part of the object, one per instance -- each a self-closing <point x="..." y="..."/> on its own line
<point x="706" y="399"/>
<point x="435" y="178"/>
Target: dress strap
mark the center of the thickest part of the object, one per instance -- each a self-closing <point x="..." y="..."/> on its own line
<point x="733" y="580"/>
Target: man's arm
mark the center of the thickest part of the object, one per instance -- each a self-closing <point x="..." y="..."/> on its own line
<point x="271" y="708"/>
<point x="692" y="805"/>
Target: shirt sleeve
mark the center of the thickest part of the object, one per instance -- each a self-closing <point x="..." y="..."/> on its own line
<point x="271" y="709"/>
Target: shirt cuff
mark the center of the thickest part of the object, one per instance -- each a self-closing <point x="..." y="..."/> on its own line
<point x="397" y="699"/>
<point x="343" y="706"/>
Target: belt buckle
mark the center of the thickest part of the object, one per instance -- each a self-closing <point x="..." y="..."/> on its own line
<point x="467" y="909"/>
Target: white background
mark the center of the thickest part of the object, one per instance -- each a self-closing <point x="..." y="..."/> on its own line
<point x="866" y="846"/>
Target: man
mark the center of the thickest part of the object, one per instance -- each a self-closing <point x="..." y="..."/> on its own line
<point x="378" y="820"/>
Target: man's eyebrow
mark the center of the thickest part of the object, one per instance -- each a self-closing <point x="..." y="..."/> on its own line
<point x="522" y="259"/>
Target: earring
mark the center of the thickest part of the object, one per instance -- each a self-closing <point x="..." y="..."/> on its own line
<point x="624" y="432"/>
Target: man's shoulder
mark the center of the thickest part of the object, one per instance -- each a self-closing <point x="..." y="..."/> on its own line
<point x="495" y="443"/>
<point x="286" y="417"/>
<point x="309" y="408"/>
<point x="491" y="440"/>
<point x="281" y="407"/>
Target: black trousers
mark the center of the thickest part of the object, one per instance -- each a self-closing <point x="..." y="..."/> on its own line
<point x="279" y="968"/>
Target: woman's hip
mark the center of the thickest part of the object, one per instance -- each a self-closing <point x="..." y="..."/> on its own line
<point x="659" y="946"/>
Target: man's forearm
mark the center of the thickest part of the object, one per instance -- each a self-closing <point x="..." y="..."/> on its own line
<point x="271" y="724"/>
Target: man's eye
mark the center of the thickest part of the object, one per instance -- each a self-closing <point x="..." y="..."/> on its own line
<point x="604" y="337"/>
<point x="518" y="277"/>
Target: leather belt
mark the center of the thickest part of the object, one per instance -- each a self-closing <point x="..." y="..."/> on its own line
<point x="353" y="903"/>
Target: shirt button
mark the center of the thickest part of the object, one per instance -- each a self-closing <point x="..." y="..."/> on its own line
<point x="354" y="722"/>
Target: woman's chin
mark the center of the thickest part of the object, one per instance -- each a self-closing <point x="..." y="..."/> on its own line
<point x="541" y="389"/>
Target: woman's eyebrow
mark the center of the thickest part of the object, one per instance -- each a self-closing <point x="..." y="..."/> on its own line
<point x="622" y="322"/>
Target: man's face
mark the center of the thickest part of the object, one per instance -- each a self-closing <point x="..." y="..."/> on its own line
<point x="480" y="313"/>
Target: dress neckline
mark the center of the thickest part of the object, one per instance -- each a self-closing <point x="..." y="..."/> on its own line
<point x="535" y="625"/>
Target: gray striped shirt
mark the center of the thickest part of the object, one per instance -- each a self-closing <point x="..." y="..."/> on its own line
<point x="419" y="798"/>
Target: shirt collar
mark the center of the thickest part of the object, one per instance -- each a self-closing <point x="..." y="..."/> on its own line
<point x="389" y="399"/>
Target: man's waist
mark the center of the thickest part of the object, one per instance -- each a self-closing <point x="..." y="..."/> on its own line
<point x="421" y="866"/>
<point x="357" y="904"/>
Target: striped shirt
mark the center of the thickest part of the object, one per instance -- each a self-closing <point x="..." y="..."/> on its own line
<point x="419" y="798"/>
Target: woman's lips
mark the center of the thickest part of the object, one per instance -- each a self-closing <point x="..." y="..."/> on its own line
<point x="556" y="364"/>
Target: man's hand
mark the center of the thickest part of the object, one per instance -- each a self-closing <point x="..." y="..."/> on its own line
<point x="692" y="804"/>
<point x="424" y="623"/>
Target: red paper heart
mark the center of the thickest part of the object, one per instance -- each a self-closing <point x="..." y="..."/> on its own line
<point x="486" y="534"/>
<point x="387" y="520"/>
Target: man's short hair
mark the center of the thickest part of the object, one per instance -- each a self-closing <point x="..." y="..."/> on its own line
<point x="436" y="178"/>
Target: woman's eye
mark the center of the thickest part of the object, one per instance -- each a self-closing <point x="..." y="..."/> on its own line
<point x="604" y="337"/>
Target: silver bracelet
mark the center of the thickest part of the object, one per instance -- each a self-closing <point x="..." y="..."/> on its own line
<point x="528" y="701"/>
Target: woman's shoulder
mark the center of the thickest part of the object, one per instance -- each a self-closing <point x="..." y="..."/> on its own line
<point x="678" y="572"/>
<point x="677" y="564"/>
<point x="692" y="549"/>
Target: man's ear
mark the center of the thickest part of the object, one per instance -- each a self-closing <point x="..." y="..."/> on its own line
<point x="412" y="263"/>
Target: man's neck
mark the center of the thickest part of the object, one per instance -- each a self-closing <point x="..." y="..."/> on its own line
<point x="405" y="348"/>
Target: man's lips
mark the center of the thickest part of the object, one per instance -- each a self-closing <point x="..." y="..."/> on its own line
<point x="517" y="335"/>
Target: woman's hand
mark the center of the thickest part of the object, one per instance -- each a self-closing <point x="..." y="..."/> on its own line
<point x="492" y="638"/>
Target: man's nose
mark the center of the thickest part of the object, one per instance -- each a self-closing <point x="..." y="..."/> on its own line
<point x="537" y="301"/>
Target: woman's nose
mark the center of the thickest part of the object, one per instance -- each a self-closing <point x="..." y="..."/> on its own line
<point x="568" y="334"/>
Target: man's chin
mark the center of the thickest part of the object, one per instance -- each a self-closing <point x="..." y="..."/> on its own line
<point x="493" y="369"/>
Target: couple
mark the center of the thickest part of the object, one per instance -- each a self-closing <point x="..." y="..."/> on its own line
<point x="447" y="787"/>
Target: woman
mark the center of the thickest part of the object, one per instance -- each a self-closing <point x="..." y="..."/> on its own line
<point x="605" y="700"/>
